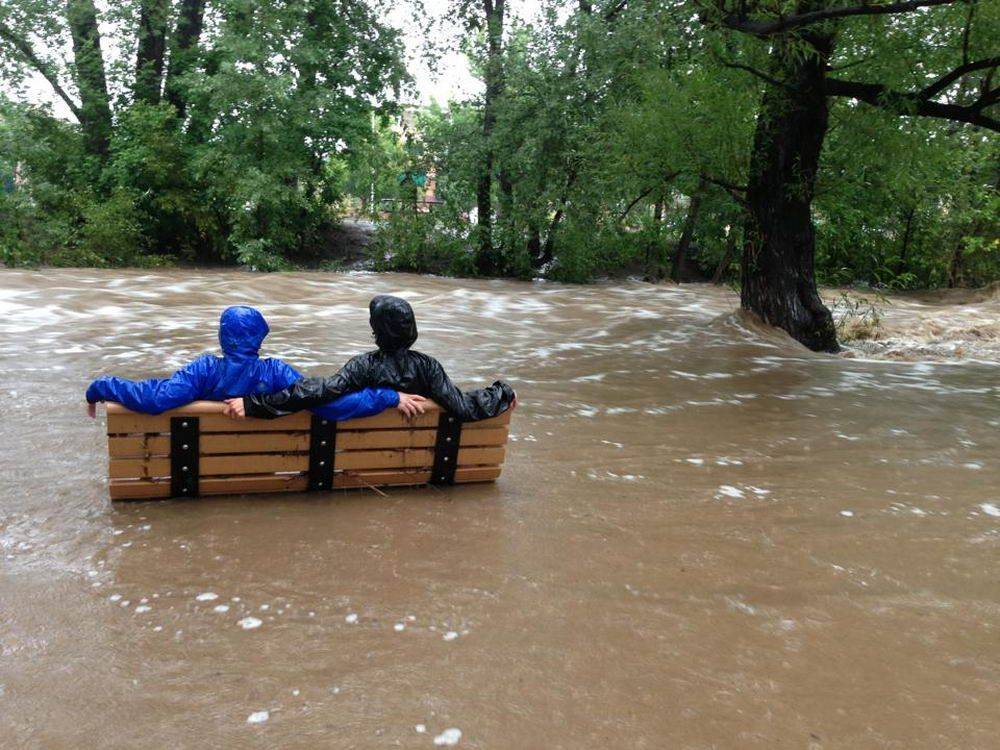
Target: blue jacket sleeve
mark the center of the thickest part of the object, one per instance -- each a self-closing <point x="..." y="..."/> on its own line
<point x="364" y="403"/>
<point x="156" y="395"/>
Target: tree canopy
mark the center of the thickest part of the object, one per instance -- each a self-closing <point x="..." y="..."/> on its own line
<point x="609" y="137"/>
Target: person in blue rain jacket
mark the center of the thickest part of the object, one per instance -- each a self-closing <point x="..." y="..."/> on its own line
<point x="239" y="372"/>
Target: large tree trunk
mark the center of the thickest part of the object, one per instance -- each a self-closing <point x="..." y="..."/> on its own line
<point x="151" y="51"/>
<point x="184" y="52"/>
<point x="487" y="257"/>
<point x="88" y="70"/>
<point x="687" y="233"/>
<point x="779" y="239"/>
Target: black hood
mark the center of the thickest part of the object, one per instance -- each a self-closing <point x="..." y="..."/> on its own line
<point x="393" y="323"/>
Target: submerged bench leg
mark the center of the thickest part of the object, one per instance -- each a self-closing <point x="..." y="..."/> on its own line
<point x="184" y="453"/>
<point x="322" y="444"/>
<point x="449" y="435"/>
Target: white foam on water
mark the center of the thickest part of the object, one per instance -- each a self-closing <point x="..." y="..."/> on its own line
<point x="847" y="513"/>
<point x="450" y="635"/>
<point x="727" y="490"/>
<point x="258" y="717"/>
<point x="695" y="461"/>
<point x="143" y="608"/>
<point x="990" y="509"/>
<point x="741" y="606"/>
<point x="249" y="623"/>
<point x="208" y="596"/>
<point x="449" y="737"/>
<point x="351" y="618"/>
<point x="220" y="608"/>
<point x="974" y="465"/>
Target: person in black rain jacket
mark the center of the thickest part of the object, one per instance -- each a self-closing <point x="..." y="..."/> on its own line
<point x="393" y="365"/>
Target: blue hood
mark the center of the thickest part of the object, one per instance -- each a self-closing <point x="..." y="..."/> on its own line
<point x="241" y="331"/>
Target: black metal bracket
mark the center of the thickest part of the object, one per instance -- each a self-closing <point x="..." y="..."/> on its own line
<point x="184" y="452"/>
<point x="322" y="444"/>
<point x="449" y="435"/>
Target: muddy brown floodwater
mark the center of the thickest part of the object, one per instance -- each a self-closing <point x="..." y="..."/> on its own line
<point x="704" y="537"/>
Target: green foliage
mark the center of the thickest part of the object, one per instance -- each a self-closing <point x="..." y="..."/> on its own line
<point x="422" y="243"/>
<point x="607" y="123"/>
<point x="278" y="99"/>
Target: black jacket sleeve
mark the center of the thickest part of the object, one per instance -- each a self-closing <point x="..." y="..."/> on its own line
<point x="472" y="405"/>
<point x="308" y="392"/>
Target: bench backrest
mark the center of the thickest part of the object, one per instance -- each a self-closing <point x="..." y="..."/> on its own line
<point x="197" y="450"/>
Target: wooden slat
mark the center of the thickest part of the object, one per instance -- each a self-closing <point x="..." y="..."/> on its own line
<point x="480" y="456"/>
<point x="488" y="436"/>
<point x="141" y="490"/>
<point x="145" y="489"/>
<point x="386" y="459"/>
<point x="254" y="463"/>
<point x="381" y="478"/>
<point x="135" y="446"/>
<point x="129" y="423"/>
<point x="265" y="463"/>
<point x="123" y="421"/>
<point x="411" y="477"/>
<point x="250" y="463"/>
<point x="239" y="485"/>
<point x="379" y="439"/>
<point x="477" y="474"/>
<point x="392" y="419"/>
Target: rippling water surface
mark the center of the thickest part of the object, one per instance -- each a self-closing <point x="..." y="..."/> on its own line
<point x="703" y="538"/>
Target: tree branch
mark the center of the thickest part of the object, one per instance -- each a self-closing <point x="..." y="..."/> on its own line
<point x="760" y="74"/>
<point x="737" y="192"/>
<point x="740" y="22"/>
<point x="22" y="46"/>
<point x="949" y="78"/>
<point x="910" y="104"/>
<point x="630" y="206"/>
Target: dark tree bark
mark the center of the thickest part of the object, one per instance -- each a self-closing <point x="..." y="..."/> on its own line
<point x="687" y="233"/>
<point x="778" y="282"/>
<point x="488" y="261"/>
<point x="88" y="69"/>
<point x="184" y="52"/>
<point x="154" y="16"/>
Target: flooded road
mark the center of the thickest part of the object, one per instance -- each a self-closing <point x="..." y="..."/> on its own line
<point x="704" y="537"/>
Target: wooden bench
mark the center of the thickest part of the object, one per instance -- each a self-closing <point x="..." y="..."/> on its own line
<point x="197" y="450"/>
